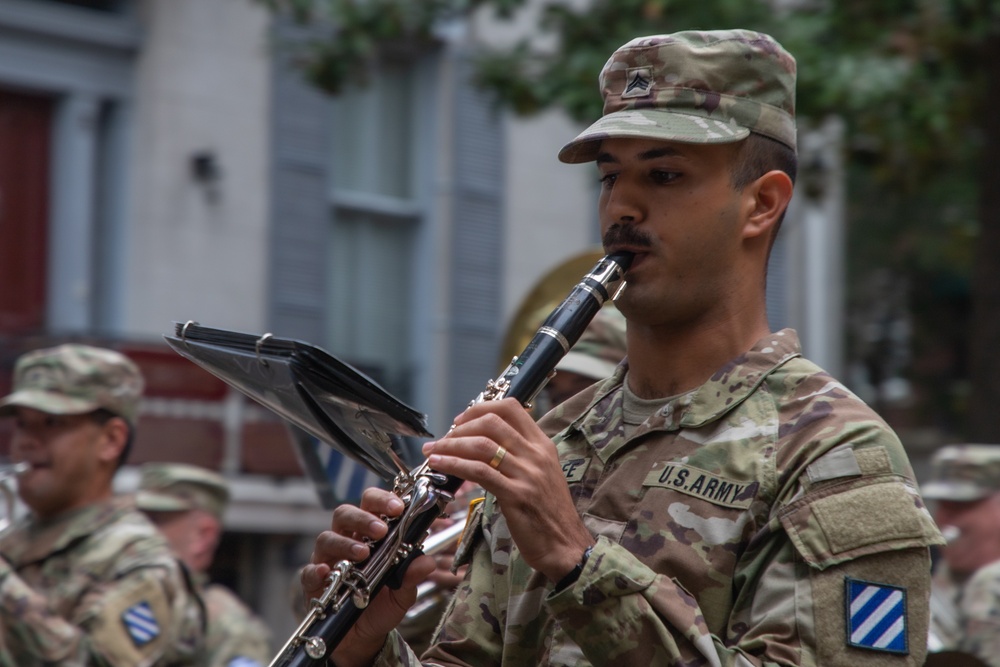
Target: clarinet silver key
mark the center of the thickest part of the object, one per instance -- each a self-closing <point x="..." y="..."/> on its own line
<point x="8" y="473"/>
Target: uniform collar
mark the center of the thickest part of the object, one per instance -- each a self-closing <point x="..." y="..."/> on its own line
<point x="739" y="378"/>
<point x="41" y="539"/>
<point x="729" y="386"/>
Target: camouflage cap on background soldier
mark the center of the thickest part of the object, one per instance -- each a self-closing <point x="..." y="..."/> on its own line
<point x="178" y="487"/>
<point x="964" y="473"/>
<point x="600" y="348"/>
<point x="694" y="87"/>
<point x="74" y="379"/>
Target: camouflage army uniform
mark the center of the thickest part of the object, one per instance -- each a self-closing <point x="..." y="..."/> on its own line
<point x="979" y="610"/>
<point x="737" y="526"/>
<point x="235" y="636"/>
<point x="945" y="627"/>
<point x="97" y="586"/>
<point x="965" y="607"/>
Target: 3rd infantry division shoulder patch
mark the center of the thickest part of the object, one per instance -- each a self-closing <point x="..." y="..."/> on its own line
<point x="876" y="616"/>
<point x="141" y="623"/>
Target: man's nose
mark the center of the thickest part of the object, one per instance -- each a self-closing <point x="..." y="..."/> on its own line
<point x="623" y="204"/>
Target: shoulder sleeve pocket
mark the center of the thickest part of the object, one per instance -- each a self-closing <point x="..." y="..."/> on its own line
<point x="868" y="516"/>
<point x="134" y="624"/>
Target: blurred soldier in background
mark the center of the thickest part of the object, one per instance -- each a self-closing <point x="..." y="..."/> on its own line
<point x="593" y="358"/>
<point x="187" y="503"/>
<point x="85" y="578"/>
<point x="965" y="600"/>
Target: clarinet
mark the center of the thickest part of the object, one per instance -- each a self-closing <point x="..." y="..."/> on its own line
<point x="426" y="493"/>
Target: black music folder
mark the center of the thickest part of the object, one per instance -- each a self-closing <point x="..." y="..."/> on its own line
<point x="310" y="388"/>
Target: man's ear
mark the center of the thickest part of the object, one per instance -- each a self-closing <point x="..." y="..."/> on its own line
<point x="768" y="198"/>
<point x="115" y="432"/>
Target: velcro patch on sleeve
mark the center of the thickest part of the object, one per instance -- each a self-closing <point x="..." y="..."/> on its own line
<point x="876" y="616"/>
<point x="852" y="627"/>
<point x="837" y="463"/>
<point x="874" y="460"/>
<point x="843" y="522"/>
<point x="849" y="521"/>
<point x="133" y="623"/>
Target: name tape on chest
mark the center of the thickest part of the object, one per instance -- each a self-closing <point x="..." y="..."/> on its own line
<point x="876" y="616"/>
<point x="701" y="484"/>
<point x="574" y="469"/>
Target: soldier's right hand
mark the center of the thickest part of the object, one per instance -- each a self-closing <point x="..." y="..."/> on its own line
<point x="345" y="541"/>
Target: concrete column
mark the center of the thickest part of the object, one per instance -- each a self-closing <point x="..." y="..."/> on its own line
<point x="109" y="283"/>
<point x="71" y="229"/>
<point x="820" y="246"/>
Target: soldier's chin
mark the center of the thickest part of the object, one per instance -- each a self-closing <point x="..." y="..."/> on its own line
<point x="31" y="484"/>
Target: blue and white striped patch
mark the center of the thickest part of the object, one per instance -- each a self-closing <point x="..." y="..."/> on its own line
<point x="876" y="616"/>
<point x="243" y="661"/>
<point x="141" y="623"/>
<point x="348" y="478"/>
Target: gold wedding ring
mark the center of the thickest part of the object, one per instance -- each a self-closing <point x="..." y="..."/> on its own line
<point x="498" y="457"/>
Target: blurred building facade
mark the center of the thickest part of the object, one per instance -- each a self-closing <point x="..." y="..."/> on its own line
<point x="161" y="162"/>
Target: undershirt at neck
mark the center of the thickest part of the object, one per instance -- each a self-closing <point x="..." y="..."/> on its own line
<point x="636" y="410"/>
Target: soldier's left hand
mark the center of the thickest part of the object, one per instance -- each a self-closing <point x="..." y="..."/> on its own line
<point x="528" y="481"/>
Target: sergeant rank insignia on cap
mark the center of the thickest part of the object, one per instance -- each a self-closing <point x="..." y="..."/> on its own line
<point x="640" y="82"/>
<point x="141" y="623"/>
<point x="876" y="616"/>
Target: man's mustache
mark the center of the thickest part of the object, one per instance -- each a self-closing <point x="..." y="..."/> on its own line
<point x="619" y="234"/>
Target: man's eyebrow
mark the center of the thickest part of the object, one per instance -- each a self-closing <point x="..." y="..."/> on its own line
<point x="651" y="154"/>
<point x="663" y="151"/>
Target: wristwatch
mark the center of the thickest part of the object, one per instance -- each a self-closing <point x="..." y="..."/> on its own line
<point x="575" y="573"/>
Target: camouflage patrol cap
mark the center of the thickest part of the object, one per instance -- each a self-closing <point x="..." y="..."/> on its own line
<point x="74" y="379"/>
<point x="178" y="487"/>
<point x="964" y="473"/>
<point x="600" y="348"/>
<point x="703" y="87"/>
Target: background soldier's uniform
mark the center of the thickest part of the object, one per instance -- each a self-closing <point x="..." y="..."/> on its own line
<point x="945" y="629"/>
<point x="980" y="611"/>
<point x="748" y="522"/>
<point x="98" y="586"/>
<point x="966" y="614"/>
<point x="236" y="637"/>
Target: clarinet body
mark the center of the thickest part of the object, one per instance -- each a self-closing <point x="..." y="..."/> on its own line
<point x="426" y="493"/>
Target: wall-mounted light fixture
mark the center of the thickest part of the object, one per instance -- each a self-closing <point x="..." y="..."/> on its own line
<point x="205" y="171"/>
